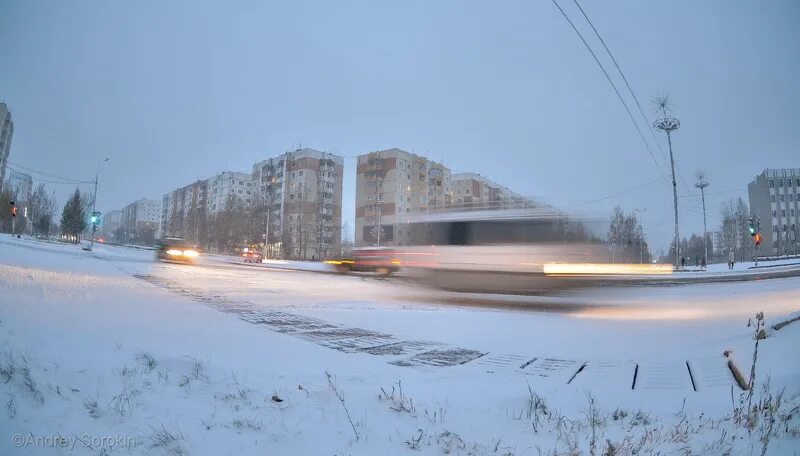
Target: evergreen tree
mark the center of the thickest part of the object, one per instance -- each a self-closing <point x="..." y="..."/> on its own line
<point x="73" y="217"/>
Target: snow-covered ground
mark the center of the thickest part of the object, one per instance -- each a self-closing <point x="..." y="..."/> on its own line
<point x="110" y="347"/>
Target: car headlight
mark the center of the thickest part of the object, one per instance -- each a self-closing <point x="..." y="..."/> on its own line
<point x="174" y="252"/>
<point x="190" y="253"/>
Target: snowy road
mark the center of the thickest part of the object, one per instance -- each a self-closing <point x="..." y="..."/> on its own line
<point x="77" y="316"/>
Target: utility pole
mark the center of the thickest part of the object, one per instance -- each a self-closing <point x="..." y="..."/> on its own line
<point x="641" y="234"/>
<point x="702" y="184"/>
<point x="94" y="202"/>
<point x="668" y="125"/>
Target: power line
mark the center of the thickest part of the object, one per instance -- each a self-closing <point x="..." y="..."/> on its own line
<point x="610" y="81"/>
<point x="660" y="179"/>
<point x="52" y="176"/>
<point x="61" y="182"/>
<point x="633" y="94"/>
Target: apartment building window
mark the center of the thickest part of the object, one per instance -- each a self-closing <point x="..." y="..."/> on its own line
<point x="782" y="197"/>
<point x="773" y="199"/>
<point x="300" y="173"/>
<point x="783" y="212"/>
<point x="771" y="183"/>
<point x="791" y="197"/>
<point x="774" y="213"/>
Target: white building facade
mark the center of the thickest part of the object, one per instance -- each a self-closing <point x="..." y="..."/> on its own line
<point x="229" y="189"/>
<point x="140" y="221"/>
<point x="775" y="199"/>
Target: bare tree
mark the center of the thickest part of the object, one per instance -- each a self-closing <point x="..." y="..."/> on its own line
<point x="347" y="240"/>
<point x="42" y="211"/>
<point x="228" y="229"/>
<point x="734" y="229"/>
<point x="626" y="238"/>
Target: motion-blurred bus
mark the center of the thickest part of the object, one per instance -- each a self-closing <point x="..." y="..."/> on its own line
<point x="503" y="250"/>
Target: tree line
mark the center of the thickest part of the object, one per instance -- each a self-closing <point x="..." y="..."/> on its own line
<point x="734" y="236"/>
<point x="42" y="208"/>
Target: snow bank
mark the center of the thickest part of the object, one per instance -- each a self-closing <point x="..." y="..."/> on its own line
<point x="98" y="356"/>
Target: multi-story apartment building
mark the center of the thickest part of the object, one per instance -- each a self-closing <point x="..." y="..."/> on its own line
<point x="6" y="133"/>
<point x="229" y="190"/>
<point x="301" y="194"/>
<point x="110" y="223"/>
<point x="471" y="190"/>
<point x="184" y="212"/>
<point x="775" y="200"/>
<point x="140" y="221"/>
<point x="391" y="184"/>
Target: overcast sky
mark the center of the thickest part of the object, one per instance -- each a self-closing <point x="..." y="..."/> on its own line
<point x="175" y="91"/>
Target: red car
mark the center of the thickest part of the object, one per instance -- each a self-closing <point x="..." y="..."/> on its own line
<point x="252" y="256"/>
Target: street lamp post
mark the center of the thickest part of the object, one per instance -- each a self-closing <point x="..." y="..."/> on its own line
<point x="94" y="199"/>
<point x="668" y="125"/>
<point x="702" y="184"/>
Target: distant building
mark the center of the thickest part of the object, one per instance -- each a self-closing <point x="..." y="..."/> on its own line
<point x="184" y="212"/>
<point x="229" y="190"/>
<point x="775" y="200"/>
<point x="109" y="224"/>
<point x="390" y="184"/>
<point x="6" y="133"/>
<point x="471" y="190"/>
<point x="717" y="241"/>
<point x="300" y="193"/>
<point x="20" y="185"/>
<point x="140" y="221"/>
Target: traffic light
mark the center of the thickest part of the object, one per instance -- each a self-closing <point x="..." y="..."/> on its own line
<point x="758" y="239"/>
<point x="752" y="226"/>
<point x="95" y="219"/>
<point x="13" y="209"/>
